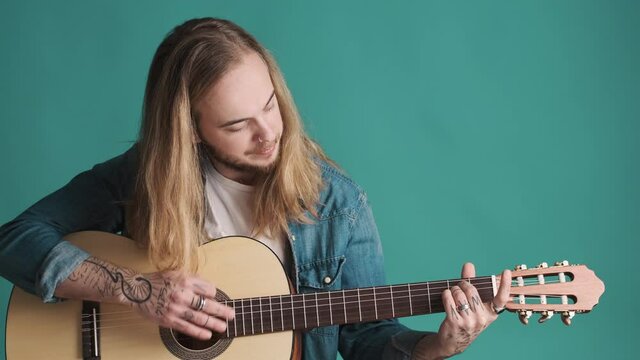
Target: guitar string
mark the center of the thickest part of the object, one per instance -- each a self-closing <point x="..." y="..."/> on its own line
<point x="297" y="300"/>
<point x="293" y="296"/>
<point x="514" y="283"/>
<point x="321" y="309"/>
<point x="366" y="310"/>
<point x="243" y="309"/>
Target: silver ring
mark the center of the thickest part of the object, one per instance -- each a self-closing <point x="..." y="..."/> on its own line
<point x="496" y="309"/>
<point x="463" y="307"/>
<point x="201" y="303"/>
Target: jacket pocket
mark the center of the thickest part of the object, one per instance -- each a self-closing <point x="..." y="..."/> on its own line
<point x="322" y="274"/>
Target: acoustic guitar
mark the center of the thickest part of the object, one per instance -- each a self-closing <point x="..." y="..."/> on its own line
<point x="268" y="316"/>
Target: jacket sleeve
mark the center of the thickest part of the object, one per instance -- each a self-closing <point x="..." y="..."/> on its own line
<point x="33" y="254"/>
<point x="384" y="340"/>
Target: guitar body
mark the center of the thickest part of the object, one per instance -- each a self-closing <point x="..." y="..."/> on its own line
<point x="238" y="266"/>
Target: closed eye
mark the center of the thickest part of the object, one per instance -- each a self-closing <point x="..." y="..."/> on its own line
<point x="236" y="126"/>
<point x="231" y="125"/>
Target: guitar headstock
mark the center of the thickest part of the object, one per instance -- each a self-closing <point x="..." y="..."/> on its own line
<point x="558" y="289"/>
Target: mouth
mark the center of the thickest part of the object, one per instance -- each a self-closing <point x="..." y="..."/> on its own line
<point x="266" y="149"/>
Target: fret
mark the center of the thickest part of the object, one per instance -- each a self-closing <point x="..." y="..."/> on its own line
<point x="317" y="311"/>
<point x="344" y="305"/>
<point x="393" y="309"/>
<point x="281" y="314"/>
<point x="375" y="302"/>
<point x="330" y="310"/>
<point x="359" y="304"/>
<point x="410" y="301"/>
<point x="235" y="318"/>
<point x="261" y="319"/>
<point x="271" y="313"/>
<point x="429" y="297"/>
<point x="243" y="324"/>
<point x="304" y="311"/>
<point x="293" y="315"/>
<point x="251" y="312"/>
<point x="225" y="303"/>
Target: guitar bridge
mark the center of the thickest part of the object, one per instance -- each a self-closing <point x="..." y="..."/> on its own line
<point x="90" y="325"/>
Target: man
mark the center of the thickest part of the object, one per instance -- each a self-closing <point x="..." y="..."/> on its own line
<point x="222" y="152"/>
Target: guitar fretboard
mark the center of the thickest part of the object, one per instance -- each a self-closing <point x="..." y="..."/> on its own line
<point x="268" y="314"/>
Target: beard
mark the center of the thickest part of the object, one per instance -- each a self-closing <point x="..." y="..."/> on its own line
<point x="239" y="165"/>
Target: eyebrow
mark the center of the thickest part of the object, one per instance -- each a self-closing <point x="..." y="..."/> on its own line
<point x="233" y="122"/>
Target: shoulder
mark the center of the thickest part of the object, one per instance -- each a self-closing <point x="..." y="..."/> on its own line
<point x="340" y="194"/>
<point x="117" y="174"/>
<point x="126" y="162"/>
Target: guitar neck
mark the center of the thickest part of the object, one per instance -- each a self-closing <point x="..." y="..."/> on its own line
<point x="310" y="310"/>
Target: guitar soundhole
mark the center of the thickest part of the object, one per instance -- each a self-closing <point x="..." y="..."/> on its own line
<point x="194" y="344"/>
<point x="187" y="348"/>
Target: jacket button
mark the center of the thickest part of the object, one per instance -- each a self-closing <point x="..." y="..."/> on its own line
<point x="293" y="237"/>
<point x="327" y="280"/>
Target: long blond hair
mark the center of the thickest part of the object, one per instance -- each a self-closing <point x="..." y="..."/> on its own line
<point x="167" y="211"/>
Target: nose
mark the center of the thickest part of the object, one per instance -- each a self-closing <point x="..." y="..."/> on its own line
<point x="263" y="133"/>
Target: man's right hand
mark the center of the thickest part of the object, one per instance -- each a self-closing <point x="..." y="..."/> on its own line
<point x="186" y="304"/>
<point x="171" y="299"/>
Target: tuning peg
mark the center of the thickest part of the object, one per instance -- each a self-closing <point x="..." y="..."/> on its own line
<point x="562" y="263"/>
<point x="524" y="316"/>
<point x="543" y="265"/>
<point x="567" y="316"/>
<point x="546" y="315"/>
<point x="520" y="267"/>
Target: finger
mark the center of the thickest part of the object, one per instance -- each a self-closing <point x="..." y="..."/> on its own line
<point x="185" y="298"/>
<point x="211" y="323"/>
<point x="450" y="305"/>
<point x="472" y="296"/>
<point x="190" y="329"/>
<point x="502" y="296"/>
<point x="204" y="288"/>
<point x="220" y="310"/>
<point x="468" y="271"/>
<point x="204" y="320"/>
<point x="216" y="324"/>
<point x="212" y="306"/>
<point x="461" y="300"/>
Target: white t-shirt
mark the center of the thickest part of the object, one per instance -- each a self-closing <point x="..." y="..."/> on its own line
<point x="229" y="212"/>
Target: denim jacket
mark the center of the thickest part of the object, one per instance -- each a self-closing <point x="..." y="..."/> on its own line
<point x="340" y="250"/>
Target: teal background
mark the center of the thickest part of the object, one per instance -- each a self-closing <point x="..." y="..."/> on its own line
<point x="498" y="132"/>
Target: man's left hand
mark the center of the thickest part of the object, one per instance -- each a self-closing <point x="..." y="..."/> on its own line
<point x="466" y="317"/>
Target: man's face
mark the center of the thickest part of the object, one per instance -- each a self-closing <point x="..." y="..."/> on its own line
<point x="240" y="121"/>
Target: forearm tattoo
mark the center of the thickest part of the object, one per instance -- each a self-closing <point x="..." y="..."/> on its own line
<point x="111" y="281"/>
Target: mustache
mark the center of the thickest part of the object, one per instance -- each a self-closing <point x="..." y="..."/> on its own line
<point x="267" y="144"/>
